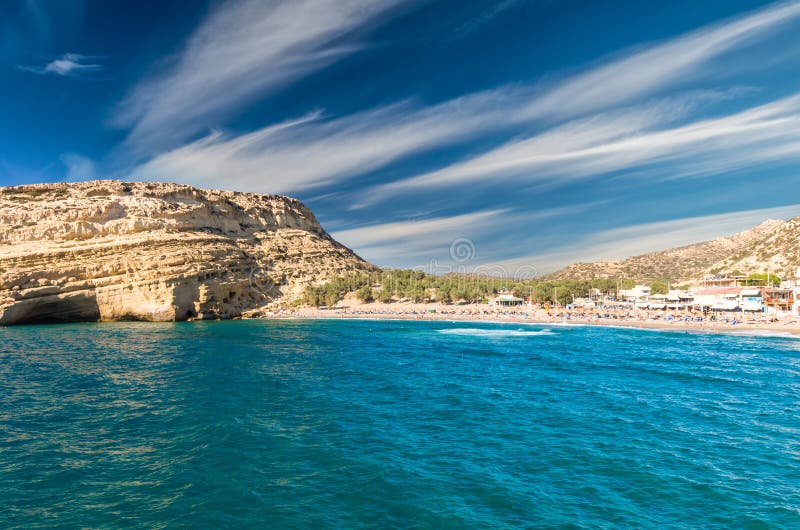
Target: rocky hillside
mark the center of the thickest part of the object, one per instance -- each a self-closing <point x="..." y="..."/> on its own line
<point x="111" y="250"/>
<point x="773" y="244"/>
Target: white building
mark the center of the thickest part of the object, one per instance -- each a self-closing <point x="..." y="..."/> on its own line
<point x="640" y="293"/>
<point x="796" y="306"/>
<point x="794" y="284"/>
<point x="657" y="301"/>
<point x="717" y="298"/>
<point x="585" y="302"/>
<point x="751" y="299"/>
<point x="507" y="300"/>
<point x="679" y="299"/>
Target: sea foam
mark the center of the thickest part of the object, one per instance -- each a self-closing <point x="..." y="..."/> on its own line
<point x="478" y="332"/>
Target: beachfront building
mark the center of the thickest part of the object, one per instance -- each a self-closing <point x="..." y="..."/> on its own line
<point x="640" y="293"/>
<point x="794" y="284"/>
<point x="796" y="305"/>
<point x="507" y="300"/>
<point x="657" y="302"/>
<point x="717" y="298"/>
<point x="585" y="302"/>
<point x="792" y="281"/>
<point x="778" y="300"/>
<point x="723" y="281"/>
<point x="751" y="299"/>
<point x="679" y="300"/>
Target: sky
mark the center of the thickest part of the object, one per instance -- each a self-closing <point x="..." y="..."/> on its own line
<point x="511" y="137"/>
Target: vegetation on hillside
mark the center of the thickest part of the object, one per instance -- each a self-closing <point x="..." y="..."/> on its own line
<point x="409" y="285"/>
<point x="391" y="285"/>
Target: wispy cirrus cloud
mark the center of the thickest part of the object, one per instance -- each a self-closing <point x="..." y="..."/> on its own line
<point x="429" y="241"/>
<point x="315" y="150"/>
<point x="675" y="62"/>
<point x="319" y="151"/>
<point x="243" y="50"/>
<point x="78" y="167"/>
<point x="68" y="65"/>
<point x="633" y="240"/>
<point x="622" y="141"/>
<point x="426" y="243"/>
<point x="423" y="241"/>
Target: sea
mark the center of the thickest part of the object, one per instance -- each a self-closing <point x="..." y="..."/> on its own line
<point x="396" y="424"/>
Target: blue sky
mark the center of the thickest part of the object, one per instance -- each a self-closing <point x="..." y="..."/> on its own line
<point x="516" y="135"/>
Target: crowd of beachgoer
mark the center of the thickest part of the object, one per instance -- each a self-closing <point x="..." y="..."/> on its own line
<point x="608" y="315"/>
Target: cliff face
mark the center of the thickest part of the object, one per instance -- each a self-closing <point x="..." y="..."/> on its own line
<point x="111" y="250"/>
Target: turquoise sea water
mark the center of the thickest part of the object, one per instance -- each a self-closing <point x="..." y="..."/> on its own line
<point x="348" y="424"/>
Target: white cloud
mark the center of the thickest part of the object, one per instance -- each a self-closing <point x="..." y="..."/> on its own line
<point x="655" y="68"/>
<point x="427" y="243"/>
<point x="416" y="241"/>
<point x="612" y="129"/>
<point x="427" y="240"/>
<point x="318" y="151"/>
<point x="619" y="243"/>
<point x="622" y="141"/>
<point x="244" y="49"/>
<point x="313" y="151"/>
<point x="78" y="167"/>
<point x="545" y="148"/>
<point x="68" y="65"/>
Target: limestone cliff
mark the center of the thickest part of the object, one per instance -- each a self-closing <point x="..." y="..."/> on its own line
<point x="111" y="250"/>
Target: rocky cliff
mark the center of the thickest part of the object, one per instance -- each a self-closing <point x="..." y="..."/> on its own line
<point x="111" y="250"/>
<point x="773" y="245"/>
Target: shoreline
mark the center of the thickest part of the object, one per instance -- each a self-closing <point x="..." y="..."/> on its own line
<point x="785" y="327"/>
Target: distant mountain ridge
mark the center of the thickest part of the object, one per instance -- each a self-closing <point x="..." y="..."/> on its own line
<point x="773" y="245"/>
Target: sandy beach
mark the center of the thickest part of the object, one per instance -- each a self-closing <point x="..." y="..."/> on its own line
<point x="676" y="321"/>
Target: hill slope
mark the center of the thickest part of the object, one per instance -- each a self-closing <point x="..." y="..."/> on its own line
<point x="111" y="250"/>
<point x="773" y="244"/>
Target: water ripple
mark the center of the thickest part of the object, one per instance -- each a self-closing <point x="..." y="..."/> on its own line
<point x="396" y="424"/>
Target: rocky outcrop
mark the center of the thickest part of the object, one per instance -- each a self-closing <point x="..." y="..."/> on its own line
<point x="773" y="245"/>
<point x="111" y="250"/>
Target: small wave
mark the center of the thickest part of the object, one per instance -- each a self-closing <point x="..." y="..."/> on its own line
<point x="477" y="332"/>
<point x="764" y="333"/>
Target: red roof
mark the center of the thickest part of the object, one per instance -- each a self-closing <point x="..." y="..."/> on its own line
<point x="719" y="290"/>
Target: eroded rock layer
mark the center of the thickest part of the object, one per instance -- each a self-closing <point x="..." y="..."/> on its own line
<point x="111" y="250"/>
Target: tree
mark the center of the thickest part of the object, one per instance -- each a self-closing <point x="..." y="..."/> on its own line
<point x="331" y="297"/>
<point x="760" y="278"/>
<point x="659" y="287"/>
<point x="419" y="294"/>
<point x="474" y="294"/>
<point x="445" y="293"/>
<point x="314" y="296"/>
<point x="605" y="285"/>
<point x="544" y="293"/>
<point x="364" y="294"/>
<point x="564" y="296"/>
<point x="384" y="296"/>
<point x="461" y="294"/>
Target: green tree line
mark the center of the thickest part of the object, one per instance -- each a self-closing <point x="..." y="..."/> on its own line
<point x="405" y="284"/>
